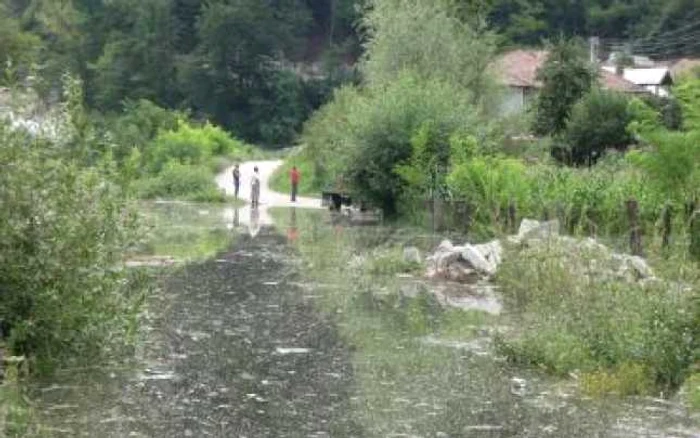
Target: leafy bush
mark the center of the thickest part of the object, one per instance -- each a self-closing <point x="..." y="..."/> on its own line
<point x="598" y="122"/>
<point x="182" y="181"/>
<point x="189" y="144"/>
<point x="138" y="124"/>
<point x="63" y="233"/>
<point x="688" y="94"/>
<point x="382" y="125"/>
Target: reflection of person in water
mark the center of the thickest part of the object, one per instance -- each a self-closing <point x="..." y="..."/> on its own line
<point x="254" y="226"/>
<point x="292" y="232"/>
<point x="236" y="220"/>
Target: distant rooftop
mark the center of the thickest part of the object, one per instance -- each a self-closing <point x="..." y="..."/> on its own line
<point x="518" y="68"/>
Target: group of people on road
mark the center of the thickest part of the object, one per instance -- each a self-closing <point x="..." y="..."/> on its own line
<point x="294" y="176"/>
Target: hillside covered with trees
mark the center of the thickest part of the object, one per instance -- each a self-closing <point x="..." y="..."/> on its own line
<point x="259" y="68"/>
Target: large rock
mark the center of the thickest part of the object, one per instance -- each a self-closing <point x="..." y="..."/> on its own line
<point x="444" y="259"/>
<point x="492" y="251"/>
<point x="462" y="272"/>
<point x="640" y="267"/>
<point x="445" y="246"/>
<point x="532" y="229"/>
<point x="411" y="254"/>
<point x="477" y="260"/>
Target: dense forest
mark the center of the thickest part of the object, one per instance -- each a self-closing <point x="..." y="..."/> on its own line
<point x="259" y="68"/>
<point x="231" y="61"/>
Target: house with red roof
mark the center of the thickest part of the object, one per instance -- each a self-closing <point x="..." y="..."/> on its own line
<point x="517" y="71"/>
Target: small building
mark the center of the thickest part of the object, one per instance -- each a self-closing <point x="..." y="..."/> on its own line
<point x="657" y="81"/>
<point x="517" y="70"/>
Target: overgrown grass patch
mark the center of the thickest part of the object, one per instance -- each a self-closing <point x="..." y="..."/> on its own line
<point x="577" y="317"/>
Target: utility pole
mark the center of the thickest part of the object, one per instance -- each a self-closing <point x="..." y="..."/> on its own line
<point x="594" y="46"/>
<point x="332" y="23"/>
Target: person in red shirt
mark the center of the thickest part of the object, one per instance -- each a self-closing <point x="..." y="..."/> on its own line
<point x="295" y="176"/>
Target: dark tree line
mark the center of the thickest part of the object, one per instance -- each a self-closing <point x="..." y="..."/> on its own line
<point x="232" y="60"/>
<point x="229" y="60"/>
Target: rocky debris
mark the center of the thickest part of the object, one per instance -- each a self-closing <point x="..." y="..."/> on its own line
<point x="471" y="263"/>
<point x="478" y="260"/>
<point x="532" y="229"/>
<point x="518" y="386"/>
<point x="411" y="254"/>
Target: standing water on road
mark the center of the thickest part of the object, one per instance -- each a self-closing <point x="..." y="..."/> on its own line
<point x="308" y="329"/>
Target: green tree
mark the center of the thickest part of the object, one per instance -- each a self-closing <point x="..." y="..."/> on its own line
<point x="598" y="122"/>
<point x="426" y="38"/>
<point x="64" y="296"/>
<point x="138" y="57"/>
<point x="18" y="49"/>
<point x="566" y="76"/>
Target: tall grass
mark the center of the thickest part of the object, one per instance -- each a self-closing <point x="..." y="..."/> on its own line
<point x="576" y="316"/>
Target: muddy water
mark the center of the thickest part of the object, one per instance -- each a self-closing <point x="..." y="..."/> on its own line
<point x="251" y="342"/>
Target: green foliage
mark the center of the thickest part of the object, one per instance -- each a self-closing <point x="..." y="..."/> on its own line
<point x="64" y="232"/>
<point x="673" y="163"/>
<point x="691" y="391"/>
<point x="189" y="182"/>
<point x="233" y="63"/>
<point x="328" y="136"/>
<point x="489" y="184"/>
<point x="427" y="39"/>
<point x="688" y="94"/>
<point x="189" y="144"/>
<point x="694" y="232"/>
<point x="381" y="130"/>
<point x="18" y="49"/>
<point x="614" y="324"/>
<point x="137" y="125"/>
<point x="625" y="379"/>
<point x="598" y="122"/>
<point x="566" y="76"/>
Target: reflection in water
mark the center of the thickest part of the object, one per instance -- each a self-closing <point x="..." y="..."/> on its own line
<point x="254" y="224"/>
<point x="236" y="219"/>
<point x="292" y="231"/>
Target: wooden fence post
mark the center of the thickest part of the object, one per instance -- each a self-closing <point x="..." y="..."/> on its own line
<point x="635" y="232"/>
<point x="694" y="248"/>
<point x="511" y="216"/>
<point x="667" y="217"/>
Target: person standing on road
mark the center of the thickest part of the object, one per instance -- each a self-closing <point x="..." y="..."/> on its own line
<point x="295" y="176"/>
<point x="255" y="188"/>
<point x="236" y="180"/>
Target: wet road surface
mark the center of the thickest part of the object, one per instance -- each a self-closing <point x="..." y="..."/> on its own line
<point x="238" y="351"/>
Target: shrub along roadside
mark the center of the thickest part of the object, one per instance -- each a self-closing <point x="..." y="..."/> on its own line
<point x="620" y="336"/>
<point x="178" y="160"/>
<point x="63" y="232"/>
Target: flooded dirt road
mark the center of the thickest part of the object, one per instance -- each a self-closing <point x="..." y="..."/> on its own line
<point x="235" y="349"/>
<point x="306" y="330"/>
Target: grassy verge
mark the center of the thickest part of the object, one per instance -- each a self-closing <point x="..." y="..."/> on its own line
<point x="618" y="335"/>
<point x="17" y="417"/>
<point x="280" y="179"/>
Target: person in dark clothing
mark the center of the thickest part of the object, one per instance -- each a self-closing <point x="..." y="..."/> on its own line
<point x="236" y="180"/>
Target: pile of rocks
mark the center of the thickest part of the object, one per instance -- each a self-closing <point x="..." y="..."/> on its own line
<point x="470" y="263"/>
